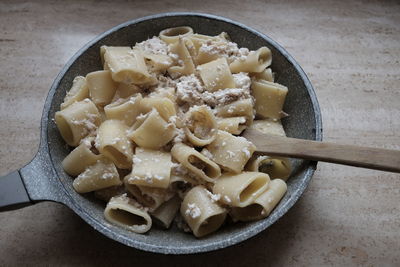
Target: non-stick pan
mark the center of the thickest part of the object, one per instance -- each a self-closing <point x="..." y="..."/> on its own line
<point x="43" y="179"/>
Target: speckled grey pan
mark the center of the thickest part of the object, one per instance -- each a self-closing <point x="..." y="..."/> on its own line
<point x="44" y="179"/>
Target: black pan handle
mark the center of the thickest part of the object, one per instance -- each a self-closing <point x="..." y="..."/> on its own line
<point x="13" y="194"/>
<point x="33" y="183"/>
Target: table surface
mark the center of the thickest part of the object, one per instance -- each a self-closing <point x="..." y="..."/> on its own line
<point x="349" y="50"/>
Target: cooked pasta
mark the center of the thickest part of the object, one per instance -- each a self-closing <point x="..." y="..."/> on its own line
<point x="151" y="168"/>
<point x="100" y="175"/>
<point x="101" y="87"/>
<point x="78" y="92"/>
<point x="262" y="206"/>
<point x="156" y="132"/>
<point x="200" y="126"/>
<point x="128" y="213"/>
<point x="77" y="121"/>
<point x="269" y="98"/>
<point x="203" y="215"/>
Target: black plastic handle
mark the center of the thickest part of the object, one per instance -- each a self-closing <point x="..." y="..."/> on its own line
<point x="13" y="194"/>
<point x="33" y="183"/>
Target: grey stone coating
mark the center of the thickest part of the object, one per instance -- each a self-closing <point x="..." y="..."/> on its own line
<point x="45" y="179"/>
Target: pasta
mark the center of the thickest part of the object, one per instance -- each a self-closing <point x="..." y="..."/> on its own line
<point x="81" y="157"/>
<point x="268" y="126"/>
<point x="201" y="213"/>
<point x="127" y="65"/>
<point x="113" y="143"/>
<point x="100" y="175"/>
<point x="275" y="167"/>
<point x="266" y="75"/>
<point x="269" y="98"/>
<point x="186" y="65"/>
<point x="239" y="108"/>
<point x="124" y="109"/>
<point x="216" y="75"/>
<point x="78" y="92"/>
<point x="77" y="121"/>
<point x="200" y="126"/>
<point x="101" y="87"/>
<point x="151" y="131"/>
<point x="164" y="106"/>
<point x="233" y="125"/>
<point x="239" y="190"/>
<point x="256" y="61"/>
<point x="172" y="35"/>
<point x="195" y="162"/>
<point x="127" y="213"/>
<point x="156" y="133"/>
<point x="231" y="152"/>
<point x="165" y="214"/>
<point x="151" y="168"/>
<point x="262" y="206"/>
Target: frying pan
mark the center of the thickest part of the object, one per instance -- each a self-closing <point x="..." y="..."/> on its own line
<point x="43" y="179"/>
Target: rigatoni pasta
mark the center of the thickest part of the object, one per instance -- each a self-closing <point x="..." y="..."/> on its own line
<point x="203" y="215"/>
<point x="77" y="121"/>
<point x="128" y="213"/>
<point x="100" y="175"/>
<point x="78" y="92"/>
<point x="156" y="132"/>
<point x="262" y="206"/>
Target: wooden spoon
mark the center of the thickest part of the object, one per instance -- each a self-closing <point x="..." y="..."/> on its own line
<point x="365" y="157"/>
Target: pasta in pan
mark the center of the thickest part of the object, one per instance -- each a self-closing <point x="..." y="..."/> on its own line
<point x="156" y="132"/>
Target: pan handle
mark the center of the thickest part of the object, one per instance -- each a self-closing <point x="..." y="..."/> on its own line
<point x="31" y="184"/>
<point x="13" y="194"/>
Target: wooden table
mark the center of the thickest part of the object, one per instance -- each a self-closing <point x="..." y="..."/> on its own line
<point x="351" y="52"/>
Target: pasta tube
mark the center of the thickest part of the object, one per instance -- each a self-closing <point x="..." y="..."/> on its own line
<point x="239" y="190"/>
<point x="239" y="108"/>
<point x="275" y="167"/>
<point x="197" y="163"/>
<point x="268" y="126"/>
<point x="202" y="214"/>
<point x="127" y="65"/>
<point x="78" y="92"/>
<point x="158" y="63"/>
<point x="113" y="143"/>
<point x="256" y="61"/>
<point x="187" y="66"/>
<point x="172" y="35"/>
<point x="102" y="88"/>
<point x="269" y="98"/>
<point x="200" y="125"/>
<point x="127" y="213"/>
<point x="231" y="152"/>
<point x="126" y="90"/>
<point x="262" y="205"/>
<point x="81" y="157"/>
<point x="233" y="125"/>
<point x="165" y="214"/>
<point x="266" y="75"/>
<point x="101" y="175"/>
<point x="77" y="121"/>
<point x="216" y="75"/>
<point x="151" y="131"/>
<point x="124" y="109"/>
<point x="164" y="106"/>
<point x="151" y="168"/>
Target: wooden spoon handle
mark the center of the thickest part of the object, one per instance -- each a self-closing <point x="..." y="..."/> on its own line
<point x="366" y="157"/>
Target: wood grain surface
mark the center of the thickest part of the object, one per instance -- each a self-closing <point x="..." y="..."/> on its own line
<point x="351" y="53"/>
